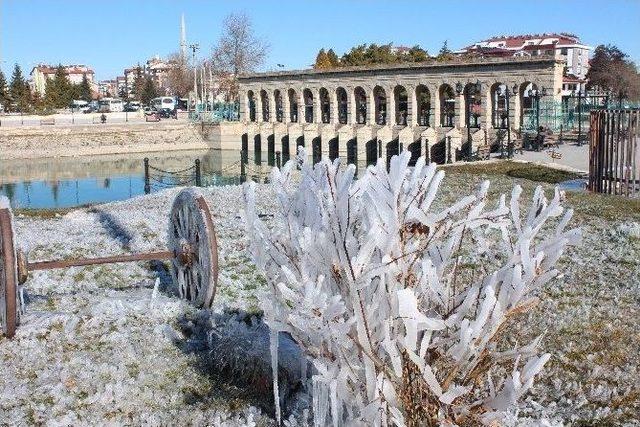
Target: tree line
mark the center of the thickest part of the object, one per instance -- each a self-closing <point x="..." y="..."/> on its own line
<point x="59" y="92"/>
<point x="373" y="54"/>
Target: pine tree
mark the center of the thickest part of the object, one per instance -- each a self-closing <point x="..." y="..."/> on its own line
<point x="417" y="54"/>
<point x="322" y="61"/>
<point x="85" y="89"/>
<point x="333" y="58"/>
<point x="445" y="53"/>
<point x="123" y="94"/>
<point x="138" y="83"/>
<point x="4" y="94"/>
<point x="59" y="91"/>
<point x="149" y="90"/>
<point x="19" y="89"/>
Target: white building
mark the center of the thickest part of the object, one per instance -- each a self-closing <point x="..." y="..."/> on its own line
<point x="562" y="45"/>
<point x="75" y="73"/>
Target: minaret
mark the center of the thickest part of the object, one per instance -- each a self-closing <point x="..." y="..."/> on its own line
<point x="183" y="38"/>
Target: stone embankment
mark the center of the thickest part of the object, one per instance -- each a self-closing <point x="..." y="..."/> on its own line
<point x="37" y="142"/>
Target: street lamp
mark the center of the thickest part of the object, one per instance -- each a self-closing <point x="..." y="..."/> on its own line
<point x="507" y="94"/>
<point x="579" y="93"/>
<point x="470" y="90"/>
<point x="195" y="47"/>
<point x="536" y="94"/>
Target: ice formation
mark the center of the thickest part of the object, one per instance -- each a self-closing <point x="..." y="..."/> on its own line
<point x="402" y="307"/>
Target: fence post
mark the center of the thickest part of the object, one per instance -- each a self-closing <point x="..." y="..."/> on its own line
<point x="243" y="172"/>
<point x="147" y="185"/>
<point x="278" y="159"/>
<point x="198" y="175"/>
<point x="427" y="152"/>
<point x="449" y="159"/>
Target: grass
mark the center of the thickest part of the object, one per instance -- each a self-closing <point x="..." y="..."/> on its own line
<point x="584" y="203"/>
<point x="605" y="206"/>
<point x="42" y="213"/>
<point x="528" y="171"/>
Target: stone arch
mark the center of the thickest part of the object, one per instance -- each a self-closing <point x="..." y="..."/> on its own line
<point x="325" y="106"/>
<point x="499" y="106"/>
<point x="277" y="95"/>
<point x="423" y="105"/>
<point x="264" y="103"/>
<point x="343" y="103"/>
<point x="529" y="105"/>
<point x="380" y="99"/>
<point x="251" y="101"/>
<point x="293" y="106"/>
<point x="361" y="105"/>
<point x="307" y="97"/>
<point x="473" y="104"/>
<point x="401" y="98"/>
<point x="447" y="105"/>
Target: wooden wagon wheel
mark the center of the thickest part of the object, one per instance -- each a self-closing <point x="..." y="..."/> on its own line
<point x="192" y="239"/>
<point x="8" y="275"/>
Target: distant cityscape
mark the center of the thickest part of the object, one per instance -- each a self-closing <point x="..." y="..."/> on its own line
<point x="563" y="45"/>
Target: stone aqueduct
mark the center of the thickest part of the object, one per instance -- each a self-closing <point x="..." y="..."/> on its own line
<point x="362" y="113"/>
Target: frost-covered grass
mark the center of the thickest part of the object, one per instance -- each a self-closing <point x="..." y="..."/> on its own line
<point x="95" y="348"/>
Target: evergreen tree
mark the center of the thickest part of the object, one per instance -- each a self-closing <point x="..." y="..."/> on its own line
<point x="322" y="61"/>
<point x="417" y="54"/>
<point x="333" y="58"/>
<point x="19" y="89"/>
<point x="138" y="83"/>
<point x="445" y="53"/>
<point x="123" y="94"/>
<point x="4" y="92"/>
<point x="149" y="90"/>
<point x="356" y="56"/>
<point x="85" y="89"/>
<point x="59" y="91"/>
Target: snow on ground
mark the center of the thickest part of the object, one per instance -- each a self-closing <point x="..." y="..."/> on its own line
<point x="99" y="346"/>
<point x="96" y="347"/>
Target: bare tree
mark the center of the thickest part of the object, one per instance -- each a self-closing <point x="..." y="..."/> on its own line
<point x="238" y="51"/>
<point x="180" y="79"/>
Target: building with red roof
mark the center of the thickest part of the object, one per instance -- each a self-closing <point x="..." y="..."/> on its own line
<point x="562" y="45"/>
<point x="42" y="72"/>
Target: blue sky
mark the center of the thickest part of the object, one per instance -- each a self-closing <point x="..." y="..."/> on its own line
<point x="113" y="34"/>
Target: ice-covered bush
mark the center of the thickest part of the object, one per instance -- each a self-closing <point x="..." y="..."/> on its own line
<point x="402" y="307"/>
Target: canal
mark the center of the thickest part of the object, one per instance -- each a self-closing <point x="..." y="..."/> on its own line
<point x="64" y="182"/>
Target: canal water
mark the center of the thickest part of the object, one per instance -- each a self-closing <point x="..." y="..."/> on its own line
<point x="76" y="181"/>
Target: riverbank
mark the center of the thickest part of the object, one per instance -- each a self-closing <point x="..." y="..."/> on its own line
<point x="78" y="140"/>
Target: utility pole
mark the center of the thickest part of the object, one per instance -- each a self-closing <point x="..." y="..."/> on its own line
<point x="195" y="47"/>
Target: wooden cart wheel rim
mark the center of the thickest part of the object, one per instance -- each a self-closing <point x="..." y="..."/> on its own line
<point x="8" y="276"/>
<point x="189" y="221"/>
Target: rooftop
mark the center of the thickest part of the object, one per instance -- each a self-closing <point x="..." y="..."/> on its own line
<point x="524" y="40"/>
<point x="432" y="63"/>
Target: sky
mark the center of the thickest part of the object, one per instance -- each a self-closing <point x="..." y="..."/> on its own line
<point x="112" y="35"/>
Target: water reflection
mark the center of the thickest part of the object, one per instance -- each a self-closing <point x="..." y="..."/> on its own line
<point x="69" y="182"/>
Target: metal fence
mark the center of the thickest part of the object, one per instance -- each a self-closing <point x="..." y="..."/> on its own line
<point x="614" y="152"/>
<point x="570" y="114"/>
<point x="216" y="113"/>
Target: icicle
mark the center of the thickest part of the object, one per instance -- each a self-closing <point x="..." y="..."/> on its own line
<point x="273" y="346"/>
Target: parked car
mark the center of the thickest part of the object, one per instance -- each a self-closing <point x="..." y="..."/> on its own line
<point x="80" y="106"/>
<point x="132" y="107"/>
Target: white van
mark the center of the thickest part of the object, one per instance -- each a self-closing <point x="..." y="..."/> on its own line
<point x="110" y="105"/>
<point x="163" y="102"/>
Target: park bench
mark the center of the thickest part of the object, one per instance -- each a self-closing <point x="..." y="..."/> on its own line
<point x="483" y="152"/>
<point x="48" y="121"/>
